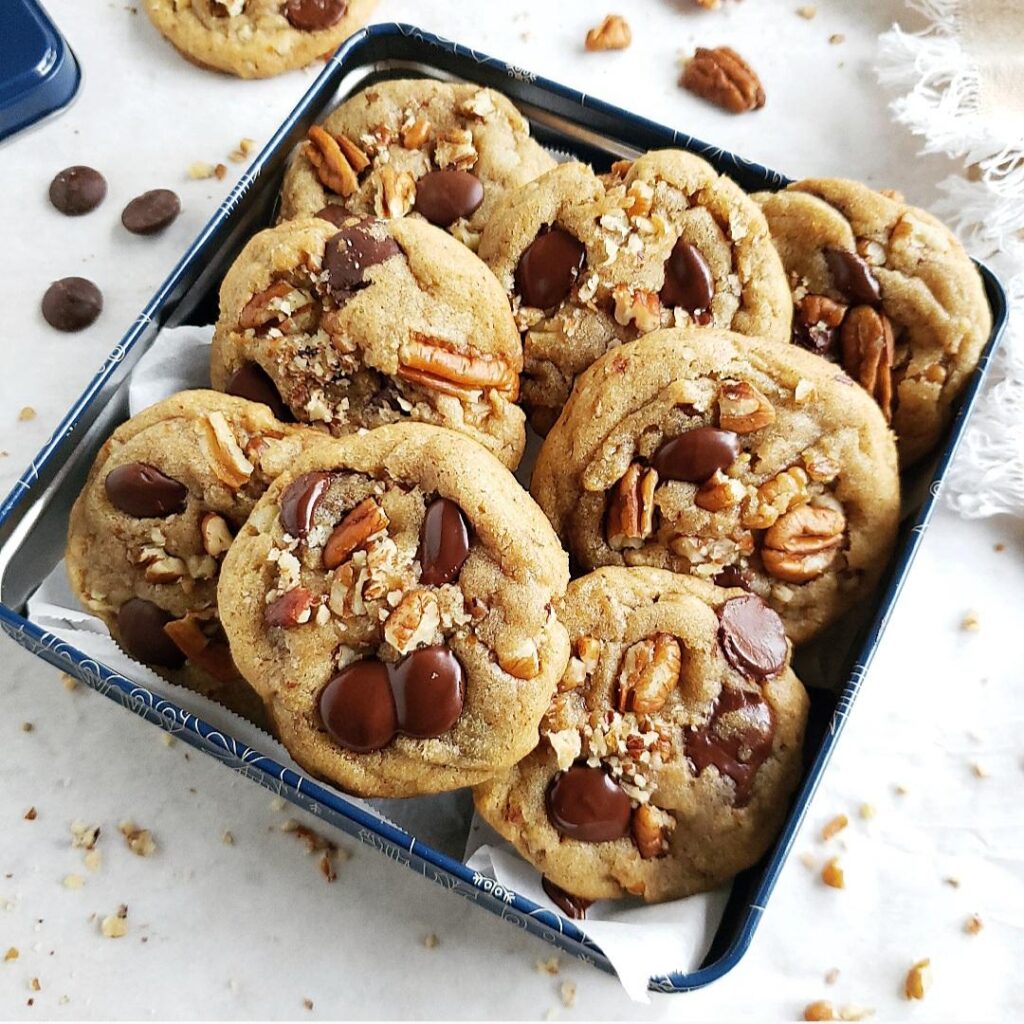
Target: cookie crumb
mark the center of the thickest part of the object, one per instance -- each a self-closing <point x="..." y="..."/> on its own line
<point x="34" y="985"/>
<point x="93" y="860"/>
<point x="613" y="33"/>
<point x="820" y="1009"/>
<point x="167" y="739"/>
<point x="900" y="790"/>
<point x="836" y="38"/>
<point x="567" y="991"/>
<point x="832" y="976"/>
<point x="832" y="874"/>
<point x="277" y="804"/>
<point x="549" y="966"/>
<point x="27" y="726"/>
<point x="834" y="827"/>
<point x="970" y="623"/>
<point x="867" y="811"/>
<point x="115" y="926"/>
<point x="139" y="840"/>
<point x="228" y="839"/>
<point x="808" y="11"/>
<point x="952" y="881"/>
<point x="307" y="1003"/>
<point x="12" y="953"/>
<point x="808" y="860"/>
<point x="918" y="980"/>
<point x="327" y="868"/>
<point x="855" y="1013"/>
<point x="431" y="941"/>
<point x="30" y="814"/>
<point x="73" y="881"/>
<point x="27" y="413"/>
<point x="998" y="548"/>
<point x="84" y="837"/>
<point x="69" y="682"/>
<point x="244" y="148"/>
<point x="200" y="170"/>
<point x="979" y="770"/>
<point x="973" y="924"/>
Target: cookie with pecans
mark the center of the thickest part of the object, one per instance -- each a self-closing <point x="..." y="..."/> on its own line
<point x="146" y="537"/>
<point x="669" y="753"/>
<point x="733" y="459"/>
<point x="370" y="322"/>
<point x="257" y="38"/>
<point x="590" y="261"/>
<point x="443" y="151"/>
<point x="390" y="598"/>
<point x="885" y="290"/>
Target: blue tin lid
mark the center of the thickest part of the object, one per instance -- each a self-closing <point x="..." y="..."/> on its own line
<point x="38" y="72"/>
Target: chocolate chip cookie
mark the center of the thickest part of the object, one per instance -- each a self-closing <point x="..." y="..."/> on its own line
<point x="390" y="598"/>
<point x="164" y="498"/>
<point x="590" y="261"/>
<point x="669" y="753"/>
<point x="887" y="291"/>
<point x="443" y="151"/>
<point x="257" y="38"/>
<point x="369" y="323"/>
<point x="738" y="460"/>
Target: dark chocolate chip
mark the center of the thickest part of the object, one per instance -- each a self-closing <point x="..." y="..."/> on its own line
<point x="444" y="542"/>
<point x="314" y="15"/>
<point x="77" y="190"/>
<point x="752" y="637"/>
<point x="151" y="212"/>
<point x="357" y="707"/>
<point x="445" y="196"/>
<point x="570" y="905"/>
<point x="688" y="281"/>
<point x="853" y="277"/>
<point x="732" y="576"/>
<point x="141" y="626"/>
<point x="430" y="689"/>
<point x="71" y="304"/>
<point x="549" y="267"/>
<point x="736" y="739"/>
<point x="141" y="490"/>
<point x="588" y="805"/>
<point x="299" y="501"/>
<point x="696" y="454"/>
<point x="352" y="251"/>
<point x="255" y="384"/>
<point x="335" y="213"/>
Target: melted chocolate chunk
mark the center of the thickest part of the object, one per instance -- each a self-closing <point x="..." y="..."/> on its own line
<point x="255" y="384"/>
<point x="853" y="277"/>
<point x="335" y="213"/>
<point x="588" y="805"/>
<point x="299" y="501"/>
<point x="688" y="281"/>
<point x="141" y="490"/>
<point x="736" y="740"/>
<point x="444" y="542"/>
<point x="77" y="190"/>
<point x="732" y="576"/>
<point x="445" y="196"/>
<point x="351" y="252"/>
<point x="314" y="15"/>
<point x="572" y="906"/>
<point x="549" y="267"/>
<point x="141" y="626"/>
<point x="358" y="708"/>
<point x="694" y="456"/>
<point x="752" y="637"/>
<point x="430" y="690"/>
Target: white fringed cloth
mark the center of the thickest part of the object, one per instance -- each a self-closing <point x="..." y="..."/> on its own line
<point x="960" y="85"/>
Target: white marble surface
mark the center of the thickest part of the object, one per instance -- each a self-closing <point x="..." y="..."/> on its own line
<point x="252" y="929"/>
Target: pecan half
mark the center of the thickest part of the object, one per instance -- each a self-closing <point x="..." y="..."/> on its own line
<point x="413" y="621"/>
<point x="742" y="408"/>
<point x="212" y="656"/>
<point x="724" y="78"/>
<point x="434" y="364"/>
<point x="634" y="305"/>
<point x="630" y="519"/>
<point x="651" y="830"/>
<point x="815" y="322"/>
<point x="868" y="353"/>
<point x="612" y="34"/>
<point x="223" y="453"/>
<point x="649" y="673"/>
<point x="803" y="543"/>
<point x="720" y="492"/>
<point x="336" y="159"/>
<point x="774" y="497"/>
<point x="353" y="531"/>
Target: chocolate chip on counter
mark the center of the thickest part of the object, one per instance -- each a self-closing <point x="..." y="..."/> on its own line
<point x="314" y="15"/>
<point x="736" y="740"/>
<point x="688" y="281"/>
<point x="151" y="212"/>
<point x="255" y="384"/>
<point x="430" y="689"/>
<point x="335" y="213"/>
<point x="588" y="805"/>
<point x="853" y="277"/>
<point x="572" y="906"/>
<point x="694" y="456"/>
<point x="141" y="626"/>
<point x="358" y="708"/>
<point x="299" y="501"/>
<point x="77" y="190"/>
<point x="351" y="252"/>
<point x="752" y="636"/>
<point x="549" y="267"/>
<point x="71" y="304"/>
<point x="444" y="542"/>
<point x="445" y="196"/>
<point x="141" y="490"/>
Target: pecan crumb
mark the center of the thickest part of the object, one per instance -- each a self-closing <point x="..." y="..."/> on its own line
<point x="307" y="1003"/>
<point x="970" y="622"/>
<point x="31" y="814"/>
<point x="220" y="172"/>
<point x="327" y="868"/>
<point x="918" y="980"/>
<point x="549" y="966"/>
<point x="808" y="860"/>
<point x="34" y="985"/>
<point x="568" y="993"/>
<point x="973" y="924"/>
<point x="84" y="837"/>
<point x="834" y="827"/>
<point x="12" y="953"/>
<point x="836" y="38"/>
<point x="167" y="739"/>
<point x="140" y="840"/>
<point x="979" y="770"/>
<point x="27" y="413"/>
<point x="93" y="860"/>
<point x="115" y="926"/>
<point x="431" y="941"/>
<point x="808" y="11"/>
<point x="73" y="881"/>
<point x="199" y="170"/>
<point x="613" y="33"/>
<point x="228" y="839"/>
<point x="724" y="78"/>
<point x="27" y="726"/>
<point x="999" y="548"/>
<point x="68" y="681"/>
<point x="952" y="881"/>
<point x="832" y="874"/>
<point x="867" y="811"/>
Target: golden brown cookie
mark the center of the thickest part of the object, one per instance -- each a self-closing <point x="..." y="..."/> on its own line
<point x="669" y="754"/>
<point x="390" y="598"/>
<point x="743" y="461"/>
<point x="887" y="291"/>
<point x="164" y="498"/>
<point x="443" y="151"/>
<point x="257" y="38"/>
<point x="370" y="323"/>
<point x="590" y="261"/>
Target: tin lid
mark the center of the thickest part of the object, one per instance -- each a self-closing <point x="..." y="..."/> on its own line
<point x="38" y="71"/>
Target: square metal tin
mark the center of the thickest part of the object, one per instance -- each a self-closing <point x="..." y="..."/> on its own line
<point x="33" y="517"/>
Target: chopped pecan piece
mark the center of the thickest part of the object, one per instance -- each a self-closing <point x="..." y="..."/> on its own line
<point x="868" y="354"/>
<point x="455" y="148"/>
<point x="396" y="193"/>
<point x="416" y="134"/>
<point x="651" y="830"/>
<point x="354" y="530"/>
<point x="630" y="518"/>
<point x="650" y="672"/>
<point x="803" y="543"/>
<point x="634" y="305"/>
<point x="212" y="656"/>
<point x="337" y="160"/>
<point x="815" y="322"/>
<point x="222" y="451"/>
<point x="742" y="408"/>
<point x="259" y="310"/>
<point x="724" y="78"/>
<point x="413" y="622"/>
<point x="216" y="534"/>
<point x="291" y="609"/>
<point x="774" y="497"/>
<point x="523" y="661"/>
<point x="720" y="492"/>
<point x="433" y="364"/>
<point x="612" y="34"/>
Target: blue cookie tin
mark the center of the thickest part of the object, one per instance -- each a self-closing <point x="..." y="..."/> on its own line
<point x="39" y="74"/>
<point x="33" y="517"/>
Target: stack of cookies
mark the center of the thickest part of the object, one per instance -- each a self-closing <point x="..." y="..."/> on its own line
<point x="333" y="542"/>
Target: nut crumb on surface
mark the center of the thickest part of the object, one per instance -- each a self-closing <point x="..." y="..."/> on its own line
<point x="12" y="953"/>
<point x="139" y="840"/>
<point x="69" y="682"/>
<point x="979" y="770"/>
<point x="167" y="739"/>
<point x="277" y="804"/>
<point x="867" y="811"/>
<point x="549" y="966"/>
<point x="836" y="38"/>
<point x="973" y="924"/>
<point x="228" y="839"/>
<point x="27" y="413"/>
<point x="832" y="874"/>
<point x="970" y="623"/>
<point x="900" y="790"/>
<point x="27" y="726"/>
<point x="307" y="1003"/>
<point x="832" y="976"/>
<point x="73" y="881"/>
<point x="115" y="926"/>
<point x="567" y="991"/>
<point x="93" y="860"/>
<point x="820" y="1009"/>
<point x="199" y="169"/>
<point x="613" y="33"/>
<point x="834" y="827"/>
<point x="1000" y="547"/>
<point x="807" y="11"/>
<point x="31" y="814"/>
<point x="34" y="985"/>
<point x="808" y="860"/>
<point x="220" y="172"/>
<point x="84" y="837"/>
<point x="918" y="980"/>
<point x="327" y="868"/>
<point x="952" y="881"/>
<point x="431" y="941"/>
